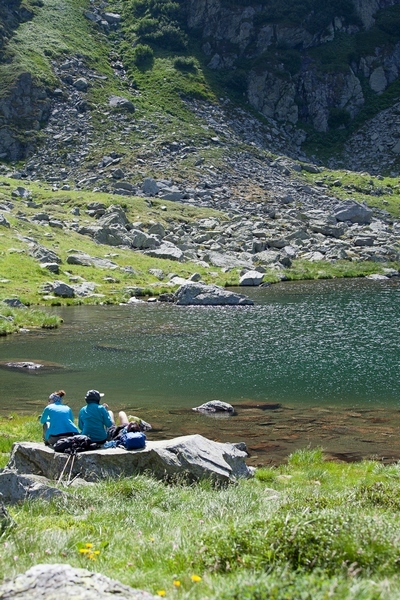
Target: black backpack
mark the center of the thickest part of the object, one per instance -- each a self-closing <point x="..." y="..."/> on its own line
<point x="74" y="444"/>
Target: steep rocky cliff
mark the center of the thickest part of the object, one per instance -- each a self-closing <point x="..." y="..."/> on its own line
<point x="315" y="69"/>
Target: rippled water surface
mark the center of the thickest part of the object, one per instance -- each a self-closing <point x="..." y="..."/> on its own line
<point x="306" y="343"/>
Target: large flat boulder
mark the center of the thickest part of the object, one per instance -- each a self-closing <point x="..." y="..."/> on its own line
<point x="200" y="294"/>
<point x="192" y="456"/>
<point x="59" y="581"/>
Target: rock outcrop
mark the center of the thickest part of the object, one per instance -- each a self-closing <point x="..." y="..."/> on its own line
<point x="15" y="487"/>
<point x="289" y="81"/>
<point x="59" y="581"/>
<point x="193" y="457"/>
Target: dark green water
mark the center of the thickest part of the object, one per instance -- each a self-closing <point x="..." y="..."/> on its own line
<point x="311" y="343"/>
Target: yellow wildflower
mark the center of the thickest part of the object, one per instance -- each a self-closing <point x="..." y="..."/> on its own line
<point x="195" y="578"/>
<point x="89" y="545"/>
<point x="161" y="592"/>
<point x="177" y="583"/>
<point x="84" y="550"/>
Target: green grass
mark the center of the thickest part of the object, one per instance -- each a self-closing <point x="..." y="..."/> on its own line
<point x="58" y="28"/>
<point x="309" y="529"/>
<point x="302" y="269"/>
<point x="376" y="191"/>
<point x="13" y="319"/>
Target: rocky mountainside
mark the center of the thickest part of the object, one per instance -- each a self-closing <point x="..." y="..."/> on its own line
<point x="317" y="73"/>
<point x="118" y="111"/>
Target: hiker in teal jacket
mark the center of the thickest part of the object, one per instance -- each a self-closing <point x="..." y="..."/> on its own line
<point x="57" y="419"/>
<point x="94" y="418"/>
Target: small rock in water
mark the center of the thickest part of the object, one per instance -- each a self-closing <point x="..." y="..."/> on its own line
<point x="215" y="406"/>
<point x="377" y="277"/>
<point x="24" y="365"/>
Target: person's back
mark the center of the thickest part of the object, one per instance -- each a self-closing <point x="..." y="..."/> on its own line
<point x="94" y="419"/>
<point x="58" y="419"/>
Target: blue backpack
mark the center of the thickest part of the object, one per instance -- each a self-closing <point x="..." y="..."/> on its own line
<point x="133" y="440"/>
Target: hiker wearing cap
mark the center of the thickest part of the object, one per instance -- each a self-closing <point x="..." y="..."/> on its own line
<point x="57" y="419"/>
<point x="94" y="418"/>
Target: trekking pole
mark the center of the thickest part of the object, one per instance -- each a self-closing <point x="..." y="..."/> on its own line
<point x="65" y="466"/>
<point x="72" y="464"/>
<point x="73" y="479"/>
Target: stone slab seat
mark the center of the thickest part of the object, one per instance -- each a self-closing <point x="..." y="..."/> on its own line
<point x="193" y="456"/>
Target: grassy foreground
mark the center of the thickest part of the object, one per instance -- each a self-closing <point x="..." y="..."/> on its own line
<point x="309" y="529"/>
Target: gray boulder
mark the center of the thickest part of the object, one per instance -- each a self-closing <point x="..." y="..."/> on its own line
<point x="3" y="221"/>
<point x="193" y="456"/>
<point x="377" y="277"/>
<point x="114" y="215"/>
<point x="62" y="289"/>
<point x="157" y="229"/>
<point x="21" y="192"/>
<point x="112" y="18"/>
<point x="60" y="581"/>
<point x="200" y="294"/>
<point x="15" y="487"/>
<point x="173" y="194"/>
<point x="150" y="187"/>
<point x="328" y="228"/>
<point x="85" y="289"/>
<point x="41" y="217"/>
<point x="251" y="278"/>
<point x="44" y="255"/>
<point x="267" y="257"/>
<point x="86" y="260"/>
<point x="353" y="211"/>
<point x="52" y="267"/>
<point x="120" y="103"/>
<point x="81" y="84"/>
<point x="142" y="240"/>
<point x="214" y="406"/>
<point x="112" y="236"/>
<point x="227" y="260"/>
<point x="14" y="302"/>
<point x="166" y="250"/>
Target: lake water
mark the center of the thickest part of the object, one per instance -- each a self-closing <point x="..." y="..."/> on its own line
<point x="305" y="345"/>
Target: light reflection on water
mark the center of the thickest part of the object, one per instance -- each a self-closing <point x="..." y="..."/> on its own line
<point x="302" y="343"/>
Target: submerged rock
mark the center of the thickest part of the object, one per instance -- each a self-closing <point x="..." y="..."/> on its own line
<point x="55" y="581"/>
<point x="32" y="366"/>
<point x="27" y="366"/>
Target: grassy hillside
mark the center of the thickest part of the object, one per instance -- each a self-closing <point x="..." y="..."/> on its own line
<point x="57" y="28"/>
<point x="22" y="276"/>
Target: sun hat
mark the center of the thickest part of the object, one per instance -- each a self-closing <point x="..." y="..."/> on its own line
<point x="93" y="396"/>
